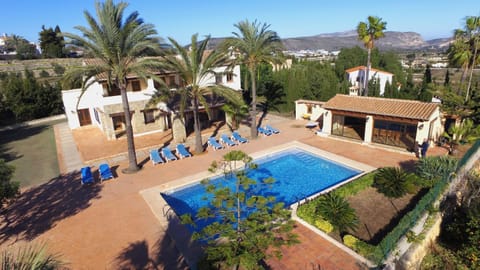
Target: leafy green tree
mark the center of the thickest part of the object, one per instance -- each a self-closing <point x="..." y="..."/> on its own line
<point x="8" y="188"/>
<point x="247" y="227"/>
<point x="368" y="32"/>
<point x="336" y="210"/>
<point x="118" y="45"/>
<point x="21" y="46"/>
<point x="394" y="182"/>
<point x="194" y="65"/>
<point x="254" y="44"/>
<point x="348" y="58"/>
<point x="52" y="42"/>
<point x="33" y="257"/>
<point x="28" y="99"/>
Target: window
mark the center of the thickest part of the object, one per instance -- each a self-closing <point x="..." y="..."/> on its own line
<point x="112" y="90"/>
<point x="218" y="78"/>
<point x="149" y="116"/>
<point x="229" y="77"/>
<point x="136" y="85"/>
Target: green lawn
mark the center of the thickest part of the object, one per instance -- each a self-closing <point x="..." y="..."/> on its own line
<point x="32" y="151"/>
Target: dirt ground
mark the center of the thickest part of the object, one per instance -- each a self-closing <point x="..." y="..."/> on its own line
<point x="378" y="214"/>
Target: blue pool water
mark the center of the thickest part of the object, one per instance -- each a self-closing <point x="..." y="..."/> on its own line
<point x="297" y="173"/>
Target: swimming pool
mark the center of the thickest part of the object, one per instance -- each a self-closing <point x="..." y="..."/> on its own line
<point x="298" y="174"/>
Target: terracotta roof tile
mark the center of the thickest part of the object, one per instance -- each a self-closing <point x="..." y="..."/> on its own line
<point x="364" y="67"/>
<point x="410" y="109"/>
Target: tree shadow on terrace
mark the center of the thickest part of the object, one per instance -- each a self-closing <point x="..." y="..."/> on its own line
<point x="163" y="254"/>
<point x="38" y="209"/>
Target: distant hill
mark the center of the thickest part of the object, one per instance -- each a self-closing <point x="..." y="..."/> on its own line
<point x="336" y="41"/>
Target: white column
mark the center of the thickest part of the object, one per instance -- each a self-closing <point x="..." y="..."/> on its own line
<point x="368" y="129"/>
<point x="327" y="122"/>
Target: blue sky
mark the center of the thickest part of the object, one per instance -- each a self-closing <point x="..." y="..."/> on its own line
<point x="181" y="19"/>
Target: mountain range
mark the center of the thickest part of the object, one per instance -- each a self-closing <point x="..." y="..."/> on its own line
<point x="402" y="41"/>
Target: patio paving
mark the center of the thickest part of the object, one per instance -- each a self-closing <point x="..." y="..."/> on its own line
<point x="109" y="225"/>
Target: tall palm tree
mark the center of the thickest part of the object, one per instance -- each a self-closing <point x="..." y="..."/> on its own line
<point x="195" y="65"/>
<point x="118" y="45"/>
<point x="368" y="32"/>
<point x="255" y="44"/>
<point x="472" y="24"/>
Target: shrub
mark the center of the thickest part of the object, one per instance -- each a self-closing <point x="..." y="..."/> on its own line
<point x="355" y="186"/>
<point x="8" y="188"/>
<point x="44" y="74"/>
<point x="430" y="169"/>
<point x="358" y="245"/>
<point x="323" y="225"/>
<point x="338" y="212"/>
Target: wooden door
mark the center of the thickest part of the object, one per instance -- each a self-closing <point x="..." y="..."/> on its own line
<point x="84" y="117"/>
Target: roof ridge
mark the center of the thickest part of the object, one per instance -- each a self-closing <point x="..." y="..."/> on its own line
<point x="387" y="99"/>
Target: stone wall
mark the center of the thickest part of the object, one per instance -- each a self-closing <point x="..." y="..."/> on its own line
<point x="413" y="257"/>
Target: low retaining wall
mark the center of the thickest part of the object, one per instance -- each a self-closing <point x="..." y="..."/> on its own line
<point x="34" y="122"/>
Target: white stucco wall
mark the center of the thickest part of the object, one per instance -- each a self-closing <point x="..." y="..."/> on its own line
<point x="368" y="129"/>
<point x="382" y="77"/>
<point x="301" y="109"/>
<point x="423" y="128"/>
<point x="93" y="96"/>
<point x="327" y="122"/>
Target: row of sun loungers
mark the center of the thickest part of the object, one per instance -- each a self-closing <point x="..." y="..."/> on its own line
<point x="233" y="140"/>
<point x="104" y="173"/>
<point x="166" y="155"/>
<point x="268" y="130"/>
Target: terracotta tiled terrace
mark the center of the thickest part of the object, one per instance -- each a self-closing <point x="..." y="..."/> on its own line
<point x="110" y="226"/>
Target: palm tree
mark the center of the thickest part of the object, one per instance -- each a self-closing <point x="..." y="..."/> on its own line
<point x="336" y="210"/>
<point x="472" y="25"/>
<point x="237" y="112"/>
<point x="195" y="66"/>
<point x="255" y="44"/>
<point x="394" y="182"/>
<point x="368" y="32"/>
<point x="117" y="44"/>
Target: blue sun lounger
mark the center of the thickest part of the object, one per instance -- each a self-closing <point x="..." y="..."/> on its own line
<point x="236" y="136"/>
<point x="272" y="129"/>
<point x="263" y="131"/>
<point x="87" y="176"/>
<point x="226" y="140"/>
<point x="155" y="157"/>
<point x="168" y="155"/>
<point x="214" y="144"/>
<point x="182" y="151"/>
<point x="105" y="172"/>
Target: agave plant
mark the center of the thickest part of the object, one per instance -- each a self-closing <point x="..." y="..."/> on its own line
<point x="30" y="257"/>
<point x="338" y="212"/>
<point x="430" y="169"/>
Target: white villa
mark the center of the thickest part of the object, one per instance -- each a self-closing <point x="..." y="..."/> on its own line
<point x="356" y="76"/>
<point x="101" y="107"/>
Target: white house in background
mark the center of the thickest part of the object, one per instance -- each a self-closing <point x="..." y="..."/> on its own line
<point x="357" y="75"/>
<point x="102" y="107"/>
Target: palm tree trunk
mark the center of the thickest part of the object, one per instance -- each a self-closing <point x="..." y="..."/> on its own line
<point x="369" y="65"/>
<point x="253" y="111"/>
<point x="132" y="157"/>
<point x="471" y="71"/>
<point x="196" y="127"/>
